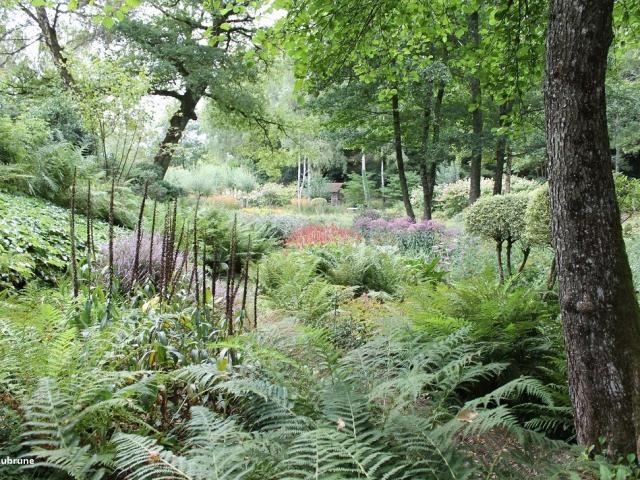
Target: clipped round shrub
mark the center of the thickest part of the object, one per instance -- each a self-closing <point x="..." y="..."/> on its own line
<point x="452" y="198"/>
<point x="627" y="193"/>
<point x="319" y="205"/>
<point x="538" y="217"/>
<point x="498" y="217"/>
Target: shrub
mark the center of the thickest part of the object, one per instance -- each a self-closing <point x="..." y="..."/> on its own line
<point x="538" y="217"/>
<point x="319" y="188"/>
<point x="453" y="198"/>
<point x="523" y="328"/>
<point x="319" y="205"/>
<point x="363" y="267"/>
<point x="354" y="322"/>
<point x="353" y="192"/>
<point x="301" y="203"/>
<point x="272" y="195"/>
<point x="279" y="227"/>
<point x="214" y="227"/>
<point x="291" y="282"/>
<point x="224" y="201"/>
<point x="320" y="235"/>
<point x="627" y="193"/>
<point x="124" y="250"/>
<point x="212" y="179"/>
<point x="126" y="203"/>
<point x="502" y="219"/>
<point x="424" y="237"/>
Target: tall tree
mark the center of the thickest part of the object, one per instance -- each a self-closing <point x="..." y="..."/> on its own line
<point x="599" y="308"/>
<point x="476" y="111"/>
<point x="194" y="50"/>
<point x="397" y="142"/>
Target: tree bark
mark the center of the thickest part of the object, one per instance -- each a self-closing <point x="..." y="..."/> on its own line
<point x="53" y="44"/>
<point x="599" y="309"/>
<point x="179" y="120"/>
<point x="507" y="173"/>
<point x="397" y="138"/>
<point x="499" y="258"/>
<point x="428" y="167"/>
<point x="476" y="115"/>
<point x="501" y="148"/>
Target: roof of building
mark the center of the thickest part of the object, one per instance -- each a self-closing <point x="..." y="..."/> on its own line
<point x="335" y="187"/>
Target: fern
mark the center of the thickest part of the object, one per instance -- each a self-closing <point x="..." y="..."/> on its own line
<point x="215" y="450"/>
<point x="50" y="434"/>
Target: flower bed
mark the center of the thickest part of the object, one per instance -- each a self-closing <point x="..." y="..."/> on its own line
<point x="321" y="235"/>
<point x="420" y="237"/>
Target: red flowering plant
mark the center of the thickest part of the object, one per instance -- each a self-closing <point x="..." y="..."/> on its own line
<point x="321" y="235"/>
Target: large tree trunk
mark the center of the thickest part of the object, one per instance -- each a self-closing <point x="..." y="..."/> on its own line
<point x="397" y="138"/>
<point x="476" y="116"/>
<point x="501" y="148"/>
<point x="599" y="309"/>
<point x="177" y="124"/>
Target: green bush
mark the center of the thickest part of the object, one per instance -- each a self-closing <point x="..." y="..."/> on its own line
<point x="363" y="267"/>
<point x="353" y="192"/>
<point x="215" y="227"/>
<point x="272" y="195"/>
<point x="453" y="198"/>
<point x="291" y="282"/>
<point x="211" y="179"/>
<point x="627" y="193"/>
<point x="538" y="217"/>
<point x="279" y="227"/>
<point x="523" y="328"/>
<point x="319" y="205"/>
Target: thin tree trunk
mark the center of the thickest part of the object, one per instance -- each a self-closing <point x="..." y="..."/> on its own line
<point x="476" y="115"/>
<point x="178" y="122"/>
<point x="499" y="258"/>
<point x="551" y="279"/>
<point x="431" y="171"/>
<point x="397" y="138"/>
<point x="525" y="257"/>
<point x="363" y="171"/>
<point x="299" y="184"/>
<point x="507" y="173"/>
<point x="72" y="238"/>
<point x="424" y="164"/>
<point x="501" y="147"/>
<point x="382" y="179"/>
<point x="509" y="249"/>
<point x="600" y="313"/>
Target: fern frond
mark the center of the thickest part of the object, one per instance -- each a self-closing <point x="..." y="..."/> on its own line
<point x="142" y="458"/>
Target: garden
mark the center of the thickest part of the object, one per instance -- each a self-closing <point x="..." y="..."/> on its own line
<point x="238" y="243"/>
